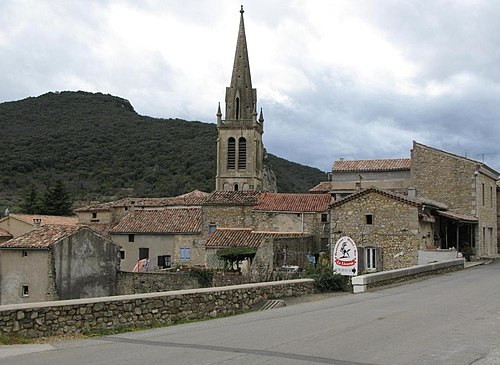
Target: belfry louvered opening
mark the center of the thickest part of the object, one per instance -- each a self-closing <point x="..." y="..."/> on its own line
<point x="231" y="153"/>
<point x="242" y="153"/>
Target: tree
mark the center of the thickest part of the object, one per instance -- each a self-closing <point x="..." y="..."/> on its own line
<point x="31" y="201"/>
<point x="56" y="201"/>
<point x="235" y="255"/>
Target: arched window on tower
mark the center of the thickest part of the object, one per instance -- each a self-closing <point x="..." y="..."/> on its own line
<point x="231" y="153"/>
<point x="237" y="108"/>
<point x="236" y="187"/>
<point x="242" y="153"/>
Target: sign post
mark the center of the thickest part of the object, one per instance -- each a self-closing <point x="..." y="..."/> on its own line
<point x="345" y="257"/>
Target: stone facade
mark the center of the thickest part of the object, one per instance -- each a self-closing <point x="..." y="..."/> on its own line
<point x="140" y="310"/>
<point x="150" y="282"/>
<point x="466" y="186"/>
<point x="393" y="227"/>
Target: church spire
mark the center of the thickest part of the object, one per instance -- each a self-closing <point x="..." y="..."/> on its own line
<point x="240" y="96"/>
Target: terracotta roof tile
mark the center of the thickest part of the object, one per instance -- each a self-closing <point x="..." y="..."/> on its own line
<point x="249" y="197"/>
<point x="322" y="187"/>
<point x="458" y="217"/>
<point x="225" y="237"/>
<point x="372" y="165"/>
<point x="175" y="220"/>
<point x="280" y="202"/>
<point x="4" y="233"/>
<point x="193" y="198"/>
<point x="41" y="238"/>
<point x="46" y="219"/>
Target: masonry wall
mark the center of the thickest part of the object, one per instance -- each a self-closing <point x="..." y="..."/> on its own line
<point x="226" y="216"/>
<point x="15" y="227"/>
<point x="395" y="227"/>
<point x="487" y="214"/>
<point x="137" y="283"/>
<point x="85" y="265"/>
<point x="78" y="316"/>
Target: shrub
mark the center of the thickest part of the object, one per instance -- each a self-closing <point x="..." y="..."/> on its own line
<point x="326" y="280"/>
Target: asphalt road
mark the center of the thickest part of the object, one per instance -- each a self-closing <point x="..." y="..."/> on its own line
<point x="448" y="319"/>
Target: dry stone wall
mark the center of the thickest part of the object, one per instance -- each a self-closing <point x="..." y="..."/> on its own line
<point x="141" y="310"/>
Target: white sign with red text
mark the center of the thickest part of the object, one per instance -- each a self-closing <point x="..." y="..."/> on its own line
<point x="345" y="257"/>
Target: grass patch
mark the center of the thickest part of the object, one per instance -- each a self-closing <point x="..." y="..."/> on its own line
<point x="14" y="340"/>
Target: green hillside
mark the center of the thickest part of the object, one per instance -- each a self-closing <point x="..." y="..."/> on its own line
<point x="102" y="149"/>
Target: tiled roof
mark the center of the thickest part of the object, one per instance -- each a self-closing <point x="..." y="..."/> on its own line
<point x="249" y="197"/>
<point x="4" y="233"/>
<point x="280" y="202"/>
<point x="372" y="165"/>
<point x="322" y="187"/>
<point x="225" y="237"/>
<point x="458" y="217"/>
<point x="174" y="220"/>
<point x="46" y="219"/>
<point x="193" y="198"/>
<point x="41" y="238"/>
<point x="402" y="198"/>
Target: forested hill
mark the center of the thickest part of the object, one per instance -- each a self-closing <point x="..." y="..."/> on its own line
<point x="100" y="148"/>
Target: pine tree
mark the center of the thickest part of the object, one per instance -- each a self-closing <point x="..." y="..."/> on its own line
<point x="56" y="201"/>
<point x="31" y="201"/>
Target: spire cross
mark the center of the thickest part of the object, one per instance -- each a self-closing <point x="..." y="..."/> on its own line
<point x="241" y="10"/>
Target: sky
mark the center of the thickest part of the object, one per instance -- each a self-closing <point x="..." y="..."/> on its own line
<point x="335" y="79"/>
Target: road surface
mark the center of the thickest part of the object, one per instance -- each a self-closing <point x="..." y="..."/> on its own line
<point x="449" y="319"/>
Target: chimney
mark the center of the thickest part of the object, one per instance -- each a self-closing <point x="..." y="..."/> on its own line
<point x="37" y="223"/>
<point x="132" y="208"/>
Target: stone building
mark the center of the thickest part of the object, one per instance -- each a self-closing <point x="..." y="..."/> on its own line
<point x="240" y="151"/>
<point x="18" y="224"/>
<point x="388" y="228"/>
<point x="164" y="238"/>
<point x="468" y="188"/>
<point x="56" y="262"/>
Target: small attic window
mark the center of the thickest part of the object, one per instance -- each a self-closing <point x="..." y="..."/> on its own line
<point x="369" y="219"/>
<point x="94" y="215"/>
<point x="25" y="292"/>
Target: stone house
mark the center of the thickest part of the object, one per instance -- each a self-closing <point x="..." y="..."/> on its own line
<point x="305" y="213"/>
<point x="165" y="238"/>
<point x="468" y="188"/>
<point x="274" y="250"/>
<point x="388" y="228"/>
<point x="56" y="262"/>
<point x="103" y="216"/>
<point x="19" y="224"/>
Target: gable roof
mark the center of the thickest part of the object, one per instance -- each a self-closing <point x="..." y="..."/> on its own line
<point x="399" y="197"/>
<point x="225" y="237"/>
<point x="248" y="197"/>
<point x="281" y="202"/>
<point x="174" y="220"/>
<point x="4" y="233"/>
<point x="44" y="219"/>
<point x="41" y="238"/>
<point x="193" y="198"/>
<point x="322" y="187"/>
<point x="372" y="165"/>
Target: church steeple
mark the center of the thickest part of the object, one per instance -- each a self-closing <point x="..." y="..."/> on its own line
<point x="240" y="151"/>
<point x="240" y="96"/>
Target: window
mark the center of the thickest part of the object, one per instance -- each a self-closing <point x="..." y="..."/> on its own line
<point x="324" y="244"/>
<point x="369" y="219"/>
<point x="143" y="253"/>
<point x="483" y="192"/>
<point x="131" y="238"/>
<point x="231" y="153"/>
<point x="242" y="153"/>
<point x="94" y="215"/>
<point x="122" y="255"/>
<point x="491" y="197"/>
<point x="324" y="218"/>
<point x="371" y="259"/>
<point x="237" y="108"/>
<point x="164" y="261"/>
<point x="25" y="292"/>
<point x="185" y="253"/>
<point x="212" y="228"/>
<point x="24" y="253"/>
<point x="236" y="187"/>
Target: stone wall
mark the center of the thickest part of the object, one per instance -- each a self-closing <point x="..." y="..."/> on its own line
<point x="145" y="282"/>
<point x="141" y="310"/>
<point x="394" y="228"/>
<point x="226" y="216"/>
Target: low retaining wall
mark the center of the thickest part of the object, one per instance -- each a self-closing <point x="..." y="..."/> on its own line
<point x="362" y="282"/>
<point x="141" y="310"/>
<point x="148" y="282"/>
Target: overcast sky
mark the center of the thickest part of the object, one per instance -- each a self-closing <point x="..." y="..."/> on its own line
<point x="336" y="79"/>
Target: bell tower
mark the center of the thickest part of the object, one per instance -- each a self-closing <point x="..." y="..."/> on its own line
<point x="240" y="151"/>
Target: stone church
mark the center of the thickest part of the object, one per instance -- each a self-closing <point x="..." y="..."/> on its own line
<point x="240" y="150"/>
